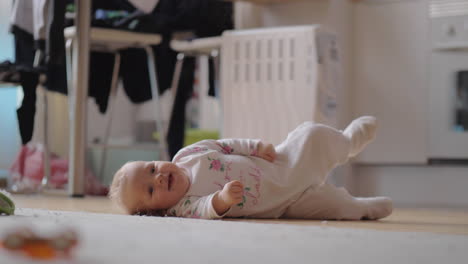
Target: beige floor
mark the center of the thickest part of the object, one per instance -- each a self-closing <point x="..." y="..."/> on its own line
<point x="428" y="220"/>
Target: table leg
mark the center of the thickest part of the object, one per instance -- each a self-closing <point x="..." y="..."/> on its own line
<point x="79" y="94"/>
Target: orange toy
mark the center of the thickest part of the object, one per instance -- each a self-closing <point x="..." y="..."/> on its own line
<point x="42" y="248"/>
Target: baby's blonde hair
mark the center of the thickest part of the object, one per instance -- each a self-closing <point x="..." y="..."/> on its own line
<point x="116" y="189"/>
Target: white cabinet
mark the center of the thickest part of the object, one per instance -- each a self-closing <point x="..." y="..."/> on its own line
<point x="390" y="78"/>
<point x="448" y="107"/>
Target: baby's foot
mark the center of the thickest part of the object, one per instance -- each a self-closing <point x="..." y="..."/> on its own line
<point x="377" y="207"/>
<point x="360" y="132"/>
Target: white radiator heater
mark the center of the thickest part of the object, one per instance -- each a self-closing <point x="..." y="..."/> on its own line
<point x="273" y="79"/>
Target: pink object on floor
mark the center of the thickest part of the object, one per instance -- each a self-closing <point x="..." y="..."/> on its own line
<point x="27" y="172"/>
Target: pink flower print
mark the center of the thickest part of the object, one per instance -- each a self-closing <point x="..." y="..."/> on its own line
<point x="225" y="148"/>
<point x="216" y="165"/>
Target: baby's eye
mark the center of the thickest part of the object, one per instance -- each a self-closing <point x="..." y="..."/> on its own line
<point x="153" y="170"/>
<point x="150" y="190"/>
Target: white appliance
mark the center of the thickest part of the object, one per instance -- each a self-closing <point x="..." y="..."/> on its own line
<point x="273" y="79"/>
<point x="448" y="106"/>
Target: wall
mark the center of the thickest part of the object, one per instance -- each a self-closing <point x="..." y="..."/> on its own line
<point x="390" y="78"/>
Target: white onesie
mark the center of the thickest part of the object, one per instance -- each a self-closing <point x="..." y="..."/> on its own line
<point x="303" y="162"/>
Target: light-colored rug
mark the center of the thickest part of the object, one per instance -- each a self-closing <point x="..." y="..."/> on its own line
<point x="106" y="238"/>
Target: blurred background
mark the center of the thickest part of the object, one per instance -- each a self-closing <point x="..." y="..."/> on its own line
<point x="403" y="61"/>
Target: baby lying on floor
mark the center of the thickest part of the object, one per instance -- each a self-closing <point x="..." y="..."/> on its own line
<point x="249" y="178"/>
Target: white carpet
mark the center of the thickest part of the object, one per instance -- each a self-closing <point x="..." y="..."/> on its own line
<point x="106" y="238"/>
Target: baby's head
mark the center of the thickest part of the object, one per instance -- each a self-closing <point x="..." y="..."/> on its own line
<point x="149" y="187"/>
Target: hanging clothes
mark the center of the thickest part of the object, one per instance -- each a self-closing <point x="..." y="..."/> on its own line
<point x="29" y="23"/>
<point x="24" y="56"/>
<point x="204" y="17"/>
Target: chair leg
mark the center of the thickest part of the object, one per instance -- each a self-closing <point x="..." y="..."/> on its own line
<point x="45" y="179"/>
<point x="174" y="90"/>
<point x="68" y="53"/>
<point x="217" y="82"/>
<point x="177" y="71"/>
<point x="164" y="155"/>
<point x="113" y="96"/>
<point x="216" y="61"/>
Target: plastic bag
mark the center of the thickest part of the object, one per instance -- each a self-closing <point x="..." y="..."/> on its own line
<point x="27" y="172"/>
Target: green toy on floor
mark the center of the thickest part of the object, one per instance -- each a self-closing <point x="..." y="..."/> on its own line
<point x="7" y="206"/>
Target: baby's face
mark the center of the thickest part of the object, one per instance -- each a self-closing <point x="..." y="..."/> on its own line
<point x="153" y="185"/>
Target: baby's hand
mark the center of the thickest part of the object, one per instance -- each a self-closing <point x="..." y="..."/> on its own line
<point x="266" y="152"/>
<point x="232" y="193"/>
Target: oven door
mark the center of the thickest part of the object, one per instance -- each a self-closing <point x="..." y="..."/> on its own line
<point x="448" y="95"/>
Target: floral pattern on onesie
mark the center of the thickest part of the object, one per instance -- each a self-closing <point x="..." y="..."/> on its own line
<point x="213" y="164"/>
<point x="216" y="164"/>
<point x="225" y="148"/>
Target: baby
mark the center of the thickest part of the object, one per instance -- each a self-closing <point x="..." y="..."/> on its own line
<point x="249" y="178"/>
